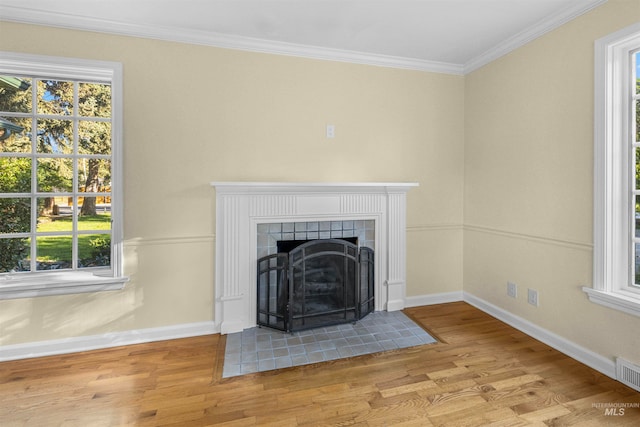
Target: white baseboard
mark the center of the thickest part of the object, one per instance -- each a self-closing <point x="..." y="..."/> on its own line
<point x="573" y="350"/>
<point x="432" y="299"/>
<point x="77" y="344"/>
<point x="115" y="339"/>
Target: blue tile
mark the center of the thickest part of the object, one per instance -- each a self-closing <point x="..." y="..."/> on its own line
<point x="318" y="356"/>
<point x="264" y="345"/>
<point x="294" y="341"/>
<point x="278" y="343"/>
<point x="299" y="359"/>
<point x="327" y="345"/>
<point x="345" y="351"/>
<point x="308" y="339"/>
<point x="297" y="349"/>
<point x="248" y="356"/>
<point x="354" y="340"/>
<point x="265" y="354"/>
<point x="248" y="368"/>
<point x="331" y="355"/>
<point x="312" y="347"/>
<point x="266" y="365"/>
<point x="230" y="370"/>
<point x="280" y="352"/>
<point x="283" y="362"/>
<point x="261" y="349"/>
<point x="407" y="342"/>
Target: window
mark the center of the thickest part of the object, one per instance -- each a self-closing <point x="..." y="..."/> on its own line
<point x="60" y="176"/>
<point x="616" y="273"/>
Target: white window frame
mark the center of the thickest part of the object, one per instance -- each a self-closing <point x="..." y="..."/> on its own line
<point x="613" y="261"/>
<point x="44" y="283"/>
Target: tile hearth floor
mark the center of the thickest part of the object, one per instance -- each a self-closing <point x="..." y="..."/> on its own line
<point x="264" y="349"/>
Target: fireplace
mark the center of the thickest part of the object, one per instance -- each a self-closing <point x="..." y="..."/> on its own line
<point x="242" y="208"/>
<point x="315" y="283"/>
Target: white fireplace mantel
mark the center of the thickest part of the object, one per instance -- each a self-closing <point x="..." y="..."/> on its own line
<point x="241" y="206"/>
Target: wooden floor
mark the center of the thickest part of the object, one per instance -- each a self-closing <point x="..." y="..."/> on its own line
<point x="483" y="372"/>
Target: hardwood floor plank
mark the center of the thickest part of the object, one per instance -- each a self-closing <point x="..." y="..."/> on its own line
<point x="482" y="372"/>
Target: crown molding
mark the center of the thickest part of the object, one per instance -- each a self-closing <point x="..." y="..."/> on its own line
<point x="531" y="33"/>
<point x="74" y="22"/>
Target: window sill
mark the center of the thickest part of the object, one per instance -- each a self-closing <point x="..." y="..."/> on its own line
<point x="628" y="303"/>
<point x="13" y="287"/>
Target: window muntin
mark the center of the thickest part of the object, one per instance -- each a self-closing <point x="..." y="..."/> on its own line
<point x="616" y="188"/>
<point x="68" y="155"/>
<point x="72" y="144"/>
<point x="634" y="133"/>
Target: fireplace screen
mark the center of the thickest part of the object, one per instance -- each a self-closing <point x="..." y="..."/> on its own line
<point x="318" y="283"/>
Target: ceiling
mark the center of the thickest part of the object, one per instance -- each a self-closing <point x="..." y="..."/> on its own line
<point x="451" y="36"/>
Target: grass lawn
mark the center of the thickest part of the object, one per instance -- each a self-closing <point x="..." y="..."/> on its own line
<point x="58" y="248"/>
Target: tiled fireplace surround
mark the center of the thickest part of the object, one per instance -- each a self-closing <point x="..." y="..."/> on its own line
<point x="269" y="234"/>
<point x="252" y="216"/>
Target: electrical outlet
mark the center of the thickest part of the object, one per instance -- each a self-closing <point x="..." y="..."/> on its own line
<point x="331" y="131"/>
<point x="512" y="290"/>
<point x="532" y="297"/>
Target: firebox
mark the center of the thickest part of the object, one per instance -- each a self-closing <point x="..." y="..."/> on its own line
<point x="310" y="284"/>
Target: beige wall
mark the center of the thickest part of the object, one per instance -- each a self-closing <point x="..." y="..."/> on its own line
<point x="196" y="114"/>
<point x="503" y="157"/>
<point x="529" y="183"/>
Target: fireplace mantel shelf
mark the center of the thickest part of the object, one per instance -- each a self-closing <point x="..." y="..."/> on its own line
<point x="260" y="187"/>
<point x="241" y="206"/>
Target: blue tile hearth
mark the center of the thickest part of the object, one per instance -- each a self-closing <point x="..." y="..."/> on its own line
<point x="263" y="349"/>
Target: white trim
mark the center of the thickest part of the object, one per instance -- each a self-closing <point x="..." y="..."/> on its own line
<point x="241" y="206"/>
<point x="114" y="339"/>
<point x="541" y="28"/>
<point x="572" y="244"/>
<point x="611" y="216"/>
<point x="594" y="360"/>
<point x="629" y="304"/>
<point x="431" y="299"/>
<point x="61" y="67"/>
<point x="174" y="240"/>
<point x="46" y="283"/>
<point x="63" y="20"/>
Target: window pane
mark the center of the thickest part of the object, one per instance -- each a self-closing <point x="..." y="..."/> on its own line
<point x="94" y="250"/>
<point x="55" y="97"/>
<point x="94" y="175"/>
<point x="55" y="175"/>
<point x="15" y="214"/>
<point x="99" y="221"/>
<point x="15" y="176"/>
<point x="14" y="255"/>
<point x="54" y="215"/>
<point x="15" y="94"/>
<point x="637" y="62"/>
<point x="53" y="253"/>
<point x="18" y="142"/>
<point x="94" y="100"/>
<point x="56" y="166"/>
<point x="637" y="167"/>
<point x="637" y="216"/>
<point x="638" y="120"/>
<point x="94" y="137"/>
<point x="95" y="209"/>
<point x="55" y="136"/>
<point x="636" y="280"/>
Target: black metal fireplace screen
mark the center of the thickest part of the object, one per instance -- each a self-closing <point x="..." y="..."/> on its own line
<point x="318" y="283"/>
